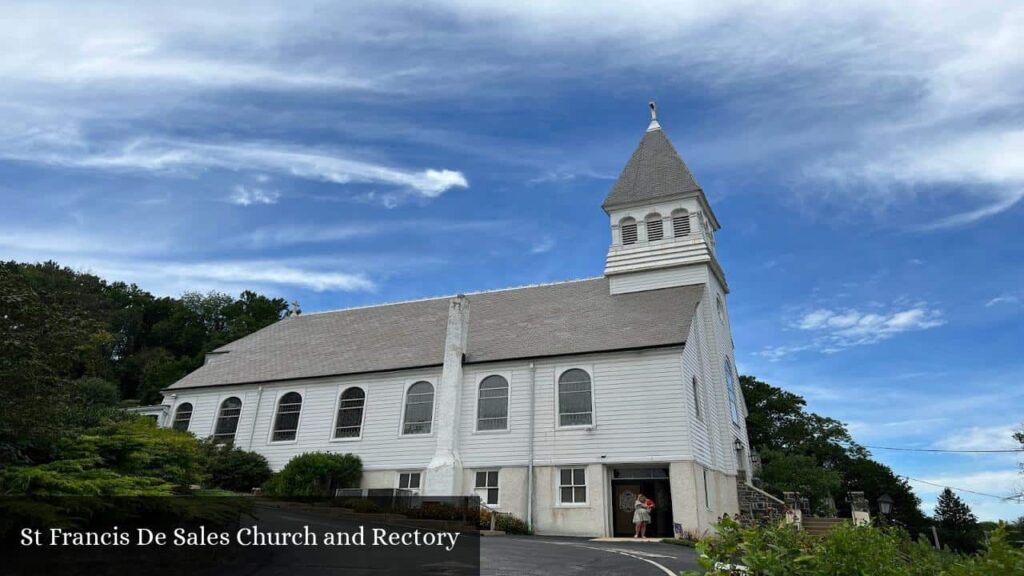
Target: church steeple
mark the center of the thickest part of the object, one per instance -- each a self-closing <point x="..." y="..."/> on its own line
<point x="660" y="218"/>
<point x="655" y="171"/>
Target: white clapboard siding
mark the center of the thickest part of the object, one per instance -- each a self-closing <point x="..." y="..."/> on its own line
<point x="640" y="401"/>
<point x="656" y="279"/>
<point x="694" y="365"/>
<point x="381" y="446"/>
<point x="640" y="410"/>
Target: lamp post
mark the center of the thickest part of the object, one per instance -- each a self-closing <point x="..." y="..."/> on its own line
<point x="884" y="507"/>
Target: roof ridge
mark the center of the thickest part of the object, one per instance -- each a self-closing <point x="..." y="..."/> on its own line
<point x="447" y="296"/>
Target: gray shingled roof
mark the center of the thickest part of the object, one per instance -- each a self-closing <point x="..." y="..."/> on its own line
<point x="654" y="171"/>
<point x="537" y="321"/>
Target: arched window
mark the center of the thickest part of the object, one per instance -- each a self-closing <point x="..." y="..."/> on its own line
<point x="730" y="388"/>
<point x="182" y="417"/>
<point x="655" y="231"/>
<point x="720" y="309"/>
<point x="575" y="403"/>
<point x="680" y="223"/>
<point x="627" y="227"/>
<point x="227" y="420"/>
<point x="419" y="408"/>
<point x="492" y="404"/>
<point x="286" y="423"/>
<point x="350" y="413"/>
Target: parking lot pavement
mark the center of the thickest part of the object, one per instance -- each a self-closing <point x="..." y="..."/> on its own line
<point x="521" y="555"/>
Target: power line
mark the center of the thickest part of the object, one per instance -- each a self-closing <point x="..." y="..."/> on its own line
<point x="946" y="451"/>
<point x="1004" y="498"/>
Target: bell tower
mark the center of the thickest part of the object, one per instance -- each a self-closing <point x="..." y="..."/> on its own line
<point x="663" y="229"/>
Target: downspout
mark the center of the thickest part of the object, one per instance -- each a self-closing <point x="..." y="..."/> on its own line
<point x="255" y="417"/>
<point x="529" y="468"/>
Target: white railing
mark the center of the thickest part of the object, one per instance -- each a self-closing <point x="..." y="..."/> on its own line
<point x="494" y="515"/>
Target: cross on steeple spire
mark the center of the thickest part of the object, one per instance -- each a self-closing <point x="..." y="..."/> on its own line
<point x="654" y="117"/>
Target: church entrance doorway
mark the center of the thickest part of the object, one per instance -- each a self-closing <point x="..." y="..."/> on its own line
<point x="627" y="482"/>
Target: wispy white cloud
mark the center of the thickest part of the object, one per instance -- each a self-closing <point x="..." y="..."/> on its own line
<point x="833" y="330"/>
<point x="776" y="353"/>
<point x="899" y="104"/>
<point x="981" y="438"/>
<point x="1003" y="299"/>
<point x="169" y="157"/>
<point x="881" y="105"/>
<point x="545" y="244"/>
<point x="999" y="483"/>
<point x="173" y="277"/>
<point x="275" y="237"/>
<point x="850" y="327"/>
<point x="249" y="195"/>
<point x="57" y="242"/>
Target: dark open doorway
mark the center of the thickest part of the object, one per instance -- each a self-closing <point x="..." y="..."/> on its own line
<point x="651" y="482"/>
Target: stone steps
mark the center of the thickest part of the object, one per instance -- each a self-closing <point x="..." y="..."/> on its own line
<point x="820" y="526"/>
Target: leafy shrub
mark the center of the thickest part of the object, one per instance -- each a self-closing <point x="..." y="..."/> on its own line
<point x="130" y="457"/>
<point x="436" y="511"/>
<point x="512" y="525"/>
<point x="315" y="474"/>
<point x="361" y="506"/>
<point x="505" y="522"/>
<point x="232" y="468"/>
<point x="782" y="550"/>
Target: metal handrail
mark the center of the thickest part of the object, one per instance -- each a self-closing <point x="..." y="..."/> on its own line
<point x="494" y="515"/>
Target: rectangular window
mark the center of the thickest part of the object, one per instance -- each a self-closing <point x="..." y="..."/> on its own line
<point x="409" y="481"/>
<point x="487" y="487"/>
<point x="572" y="486"/>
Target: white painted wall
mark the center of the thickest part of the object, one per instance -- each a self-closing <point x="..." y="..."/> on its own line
<point x="640" y="401"/>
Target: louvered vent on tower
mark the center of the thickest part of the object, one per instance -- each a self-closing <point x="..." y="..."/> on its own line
<point x="680" y="223"/>
<point x="654" y="229"/>
<point x="629" y="231"/>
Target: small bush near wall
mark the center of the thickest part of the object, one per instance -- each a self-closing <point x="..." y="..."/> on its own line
<point x="505" y="522"/>
<point x="315" y="474"/>
<point x="232" y="468"/>
<point x="361" y="506"/>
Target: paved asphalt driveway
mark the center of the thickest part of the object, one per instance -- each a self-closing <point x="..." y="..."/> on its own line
<point x="520" y="555"/>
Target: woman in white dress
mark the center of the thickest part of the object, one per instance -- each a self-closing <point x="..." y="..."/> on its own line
<point x="641" y="516"/>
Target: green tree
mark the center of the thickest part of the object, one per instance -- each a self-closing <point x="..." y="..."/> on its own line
<point x="958" y="526"/>
<point x="1019" y="437"/>
<point x="39" y="350"/>
<point x="785" y="433"/>
<point x="159" y="370"/>
<point x="778" y="420"/>
<point x="875" y="479"/>
<point x="800" y="473"/>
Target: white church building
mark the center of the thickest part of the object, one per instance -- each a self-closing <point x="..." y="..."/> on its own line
<point x="556" y="403"/>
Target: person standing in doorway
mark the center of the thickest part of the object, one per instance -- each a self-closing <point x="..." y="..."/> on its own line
<point x="641" y="516"/>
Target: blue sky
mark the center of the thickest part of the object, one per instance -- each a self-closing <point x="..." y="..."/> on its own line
<point x="866" y="163"/>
